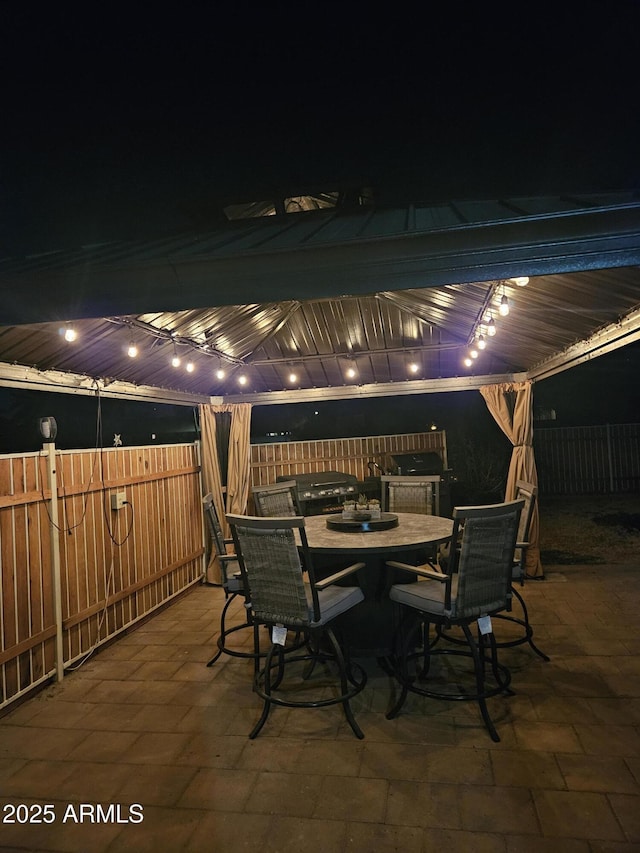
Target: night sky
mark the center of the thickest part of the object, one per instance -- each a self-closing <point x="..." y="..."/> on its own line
<point x="146" y="122"/>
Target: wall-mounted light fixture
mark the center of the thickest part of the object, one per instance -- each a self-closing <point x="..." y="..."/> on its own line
<point x="48" y="428"/>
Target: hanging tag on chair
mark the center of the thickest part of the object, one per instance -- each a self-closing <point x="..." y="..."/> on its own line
<point x="484" y="624"/>
<point x="279" y="635"/>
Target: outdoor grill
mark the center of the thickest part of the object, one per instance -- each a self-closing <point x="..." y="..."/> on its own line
<point x="423" y="464"/>
<point x="323" y="491"/>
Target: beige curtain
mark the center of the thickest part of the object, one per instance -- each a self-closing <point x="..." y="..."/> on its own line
<point x="511" y="404"/>
<point x="238" y="467"/>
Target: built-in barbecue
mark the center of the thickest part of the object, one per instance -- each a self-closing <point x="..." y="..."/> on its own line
<point x="323" y="491"/>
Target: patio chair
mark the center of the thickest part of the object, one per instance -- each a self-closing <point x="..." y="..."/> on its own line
<point x="231" y="582"/>
<point x="411" y="494"/>
<point x="417" y="494"/>
<point x="269" y="551"/>
<point x="276" y="499"/>
<point x="475" y="588"/>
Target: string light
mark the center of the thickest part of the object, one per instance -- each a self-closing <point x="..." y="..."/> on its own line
<point x="220" y="374"/>
<point x="242" y="379"/>
<point x="132" y="350"/>
<point x="293" y="378"/>
<point x="481" y="342"/>
<point x="70" y="334"/>
<point x="190" y="367"/>
<point x="413" y="367"/>
<point x="503" y="309"/>
<point x="491" y="327"/>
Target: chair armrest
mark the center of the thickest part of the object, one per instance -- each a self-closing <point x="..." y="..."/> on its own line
<point x="343" y="573"/>
<point x="418" y="570"/>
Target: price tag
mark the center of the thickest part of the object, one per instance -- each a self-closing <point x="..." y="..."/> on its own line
<point x="279" y="635"/>
<point x="484" y="624"/>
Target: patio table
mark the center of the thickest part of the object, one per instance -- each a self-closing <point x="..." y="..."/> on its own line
<point x="368" y="629"/>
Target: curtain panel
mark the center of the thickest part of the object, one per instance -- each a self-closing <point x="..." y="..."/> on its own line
<point x="511" y="404"/>
<point x="238" y="473"/>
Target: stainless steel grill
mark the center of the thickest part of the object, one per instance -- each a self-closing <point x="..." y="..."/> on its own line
<point x="322" y="491"/>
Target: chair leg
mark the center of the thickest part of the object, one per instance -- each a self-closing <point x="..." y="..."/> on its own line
<point x="344" y="686"/>
<point x="527" y="627"/>
<point x="266" y="706"/>
<point x="403" y="643"/>
<point x="478" y="664"/>
<point x="220" y="641"/>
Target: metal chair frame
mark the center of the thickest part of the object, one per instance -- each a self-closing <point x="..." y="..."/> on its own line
<point x="232" y="584"/>
<point x="477" y="585"/>
<point x="527" y="492"/>
<point x="271" y="551"/>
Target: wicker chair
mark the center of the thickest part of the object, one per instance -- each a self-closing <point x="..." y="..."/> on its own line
<point x="411" y="494"/>
<point x="231" y="582"/>
<point x="276" y="500"/>
<point x="476" y="587"/>
<point x="270" y="552"/>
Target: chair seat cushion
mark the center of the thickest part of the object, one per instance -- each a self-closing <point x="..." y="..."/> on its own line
<point x="425" y="596"/>
<point x="335" y="600"/>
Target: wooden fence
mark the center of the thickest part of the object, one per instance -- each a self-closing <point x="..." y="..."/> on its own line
<point x="588" y="460"/>
<point x="347" y="455"/>
<point x="111" y="567"/>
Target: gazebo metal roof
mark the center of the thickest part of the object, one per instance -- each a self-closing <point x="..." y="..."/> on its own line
<point x="398" y="295"/>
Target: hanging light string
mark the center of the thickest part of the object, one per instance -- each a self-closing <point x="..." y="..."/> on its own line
<point x="485" y="326"/>
<point x="202" y="347"/>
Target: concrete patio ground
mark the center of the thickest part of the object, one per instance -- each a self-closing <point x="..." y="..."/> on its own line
<point x="158" y="741"/>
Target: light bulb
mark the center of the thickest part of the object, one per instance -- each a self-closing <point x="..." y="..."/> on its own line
<point x="491" y="327"/>
<point x="132" y="351"/>
<point x="413" y="367"/>
<point x="219" y="373"/>
<point x="190" y="367"/>
<point x="482" y="343"/>
<point x="473" y="352"/>
<point x="468" y="361"/>
<point x="293" y="378"/>
<point x="521" y="280"/>
<point x="242" y="380"/>
<point x="351" y="372"/>
<point x="175" y="361"/>
<point x="504" y="306"/>
<point x="70" y="334"/>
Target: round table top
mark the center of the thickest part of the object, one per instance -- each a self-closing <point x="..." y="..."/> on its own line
<point x="413" y="531"/>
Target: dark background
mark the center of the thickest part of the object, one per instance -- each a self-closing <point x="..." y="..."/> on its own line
<point x="127" y="122"/>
